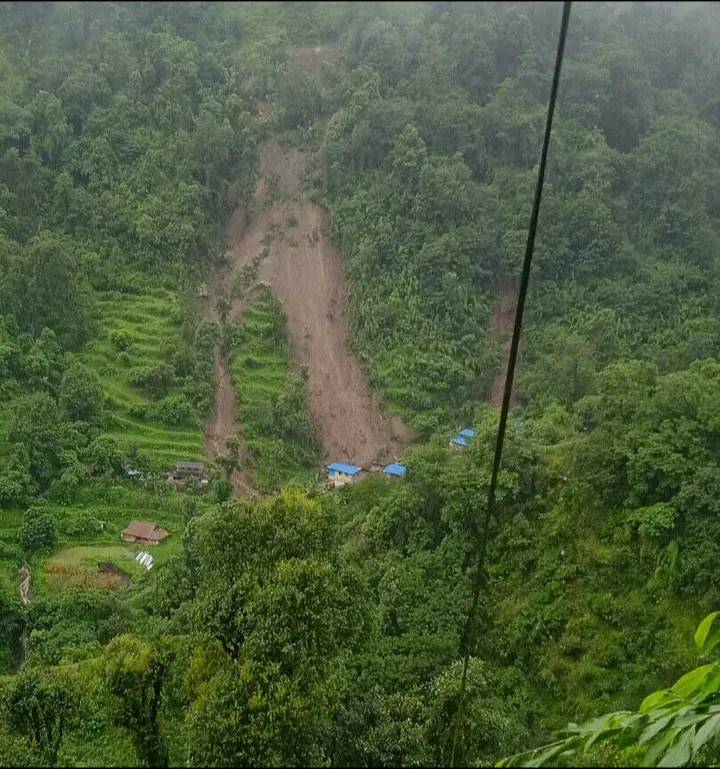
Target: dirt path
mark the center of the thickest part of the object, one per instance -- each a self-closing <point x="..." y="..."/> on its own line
<point x="221" y="425"/>
<point x="305" y="271"/>
<point x="25" y="596"/>
<point x="501" y="326"/>
<point x="24" y="575"/>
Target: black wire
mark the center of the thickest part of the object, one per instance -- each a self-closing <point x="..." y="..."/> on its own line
<point x="479" y="576"/>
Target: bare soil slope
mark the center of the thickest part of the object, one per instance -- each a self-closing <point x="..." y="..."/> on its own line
<point x="221" y="425"/>
<point x="305" y="271"/>
<point x="501" y="325"/>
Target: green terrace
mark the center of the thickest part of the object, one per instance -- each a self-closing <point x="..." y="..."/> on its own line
<point x="139" y="330"/>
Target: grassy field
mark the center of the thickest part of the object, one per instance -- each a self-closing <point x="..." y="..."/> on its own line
<point x="82" y="567"/>
<point x="271" y="404"/>
<point x="147" y="324"/>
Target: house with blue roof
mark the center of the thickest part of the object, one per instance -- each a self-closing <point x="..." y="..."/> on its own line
<point x="340" y="473"/>
<point x="463" y="438"/>
<point x="394" y="470"/>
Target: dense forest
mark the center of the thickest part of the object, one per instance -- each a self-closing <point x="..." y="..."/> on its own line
<point x="302" y="625"/>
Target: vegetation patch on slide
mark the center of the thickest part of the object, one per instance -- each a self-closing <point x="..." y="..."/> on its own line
<point x="271" y="397"/>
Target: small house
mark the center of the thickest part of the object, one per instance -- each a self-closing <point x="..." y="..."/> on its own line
<point x="340" y="473"/>
<point x="394" y="470"/>
<point x="463" y="438"/>
<point x="185" y="469"/>
<point x="186" y="472"/>
<point x="146" y="532"/>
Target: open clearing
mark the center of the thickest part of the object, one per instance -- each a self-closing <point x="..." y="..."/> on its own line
<point x="305" y="271"/>
<point x="99" y="568"/>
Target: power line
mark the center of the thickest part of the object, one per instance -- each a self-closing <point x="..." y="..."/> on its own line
<point x="479" y="576"/>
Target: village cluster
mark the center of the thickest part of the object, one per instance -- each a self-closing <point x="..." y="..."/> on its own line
<point x="187" y="473"/>
<point x="340" y="473"/>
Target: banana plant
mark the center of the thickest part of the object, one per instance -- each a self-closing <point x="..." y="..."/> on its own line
<point x="679" y="726"/>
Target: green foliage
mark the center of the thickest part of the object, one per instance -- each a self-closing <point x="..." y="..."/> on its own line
<point x="35" y="425"/>
<point x="16" y="483"/>
<point x="156" y="379"/>
<point x="39" y="531"/>
<point x="324" y="629"/>
<point x="488" y="719"/>
<point x="173" y="410"/>
<point x="121" y="339"/>
<point x="43" y="287"/>
<point x="287" y="617"/>
<point x="672" y="727"/>
<point x="105" y="455"/>
<point x="135" y="674"/>
<point x="428" y="173"/>
<point x="80" y="395"/>
<point x="12" y="621"/>
<point x="246" y="716"/>
<point x="39" y="707"/>
<point x="73" y="624"/>
<point x="271" y="402"/>
<point x="174" y="360"/>
<point x="222" y="490"/>
<point x="16" y="751"/>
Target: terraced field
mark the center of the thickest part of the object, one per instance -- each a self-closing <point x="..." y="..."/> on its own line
<point x="148" y="321"/>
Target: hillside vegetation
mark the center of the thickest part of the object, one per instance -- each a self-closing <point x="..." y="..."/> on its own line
<point x="271" y="398"/>
<point x="311" y="626"/>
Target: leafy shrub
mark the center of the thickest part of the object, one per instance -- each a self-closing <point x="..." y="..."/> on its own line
<point x="138" y="411"/>
<point x="222" y="490"/>
<point x="64" y="488"/>
<point x="156" y="379"/>
<point x="39" y="531"/>
<point x="16" y="750"/>
<point x="201" y="393"/>
<point x="15" y="480"/>
<point x="183" y="360"/>
<point x="173" y="410"/>
<point x="81" y="396"/>
<point x="206" y="334"/>
<point x="120" y="339"/>
<point x="106" y="456"/>
<point x="83" y="524"/>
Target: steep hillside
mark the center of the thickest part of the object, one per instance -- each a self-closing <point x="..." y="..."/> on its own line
<point x="265" y="235"/>
<point x="147" y="411"/>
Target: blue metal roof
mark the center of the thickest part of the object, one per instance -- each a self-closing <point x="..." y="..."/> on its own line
<point x="341" y="467"/>
<point x="460" y="441"/>
<point x="468" y="432"/>
<point x="395" y="469"/>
